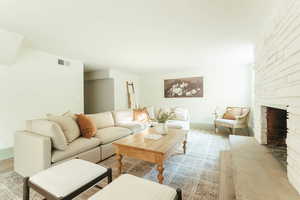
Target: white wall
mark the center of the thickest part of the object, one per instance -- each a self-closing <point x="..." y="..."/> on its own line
<point x="223" y="86"/>
<point x="120" y="79"/>
<point x="36" y="85"/>
<point x="277" y="78"/>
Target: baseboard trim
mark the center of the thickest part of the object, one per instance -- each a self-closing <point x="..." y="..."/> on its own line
<point x="6" y="153"/>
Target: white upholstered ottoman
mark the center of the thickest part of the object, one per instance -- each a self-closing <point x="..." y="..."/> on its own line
<point x="66" y="180"/>
<point x="128" y="187"/>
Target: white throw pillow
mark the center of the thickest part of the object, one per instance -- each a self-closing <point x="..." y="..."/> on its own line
<point x="123" y="116"/>
<point x="151" y="112"/>
<point x="103" y="120"/>
<point x="50" y="129"/>
<point x="68" y="125"/>
<point x="181" y="114"/>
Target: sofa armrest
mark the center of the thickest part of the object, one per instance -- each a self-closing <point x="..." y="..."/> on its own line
<point x="32" y="153"/>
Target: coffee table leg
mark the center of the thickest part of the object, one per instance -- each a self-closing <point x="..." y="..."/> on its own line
<point x="184" y="146"/>
<point x="119" y="159"/>
<point x="160" y="175"/>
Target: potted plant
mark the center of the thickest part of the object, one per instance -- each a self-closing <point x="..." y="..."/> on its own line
<point x="162" y="118"/>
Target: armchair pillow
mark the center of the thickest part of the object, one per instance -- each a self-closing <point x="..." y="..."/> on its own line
<point x="50" y="129"/>
<point x="231" y="113"/>
<point x="68" y="125"/>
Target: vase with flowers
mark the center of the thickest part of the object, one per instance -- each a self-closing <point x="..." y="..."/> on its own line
<point x="162" y="118"/>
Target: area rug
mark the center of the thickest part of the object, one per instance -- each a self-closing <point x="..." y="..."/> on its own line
<point x="196" y="172"/>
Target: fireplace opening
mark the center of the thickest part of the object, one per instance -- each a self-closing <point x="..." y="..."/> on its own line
<point x="277" y="133"/>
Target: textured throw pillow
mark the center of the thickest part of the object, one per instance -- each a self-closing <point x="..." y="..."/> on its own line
<point x="103" y="120"/>
<point x="68" y="125"/>
<point x="50" y="129"/>
<point x="87" y="126"/>
<point x="232" y="113"/>
<point x="141" y="115"/>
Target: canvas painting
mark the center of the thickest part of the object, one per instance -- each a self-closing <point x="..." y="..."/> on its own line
<point x="184" y="87"/>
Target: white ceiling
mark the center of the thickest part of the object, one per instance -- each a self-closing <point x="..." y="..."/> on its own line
<point x="140" y="35"/>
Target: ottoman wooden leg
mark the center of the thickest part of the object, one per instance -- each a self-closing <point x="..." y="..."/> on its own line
<point x="109" y="175"/>
<point x="26" y="189"/>
<point x="179" y="194"/>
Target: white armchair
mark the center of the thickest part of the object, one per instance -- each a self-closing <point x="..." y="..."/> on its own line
<point x="233" y="118"/>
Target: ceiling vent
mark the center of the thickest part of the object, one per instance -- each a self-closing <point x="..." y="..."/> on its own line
<point x="10" y="45"/>
<point x="63" y="62"/>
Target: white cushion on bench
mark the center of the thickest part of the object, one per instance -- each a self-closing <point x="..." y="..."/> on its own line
<point x="134" y="188"/>
<point x="63" y="179"/>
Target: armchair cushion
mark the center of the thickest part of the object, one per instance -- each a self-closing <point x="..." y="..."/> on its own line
<point x="225" y="122"/>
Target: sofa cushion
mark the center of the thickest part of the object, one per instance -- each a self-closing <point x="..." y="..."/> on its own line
<point x="134" y="188"/>
<point x="79" y="145"/>
<point x="108" y="135"/>
<point x="50" y="129"/>
<point x="134" y="126"/>
<point x="102" y="120"/>
<point x="123" y="116"/>
<point x="68" y="125"/>
<point x="178" y="124"/>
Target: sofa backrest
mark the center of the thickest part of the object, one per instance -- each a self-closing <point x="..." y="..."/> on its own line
<point x="102" y="120"/>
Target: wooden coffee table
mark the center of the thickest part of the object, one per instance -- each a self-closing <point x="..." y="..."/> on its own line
<point x="151" y="150"/>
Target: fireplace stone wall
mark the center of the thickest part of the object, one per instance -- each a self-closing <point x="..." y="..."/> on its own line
<point x="277" y="80"/>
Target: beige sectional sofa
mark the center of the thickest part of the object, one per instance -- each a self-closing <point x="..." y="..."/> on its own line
<point x="42" y="144"/>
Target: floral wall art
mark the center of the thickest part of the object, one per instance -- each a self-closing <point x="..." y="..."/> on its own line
<point x="183" y="87"/>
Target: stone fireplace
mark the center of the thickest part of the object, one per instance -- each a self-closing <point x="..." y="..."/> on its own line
<point x="276" y="133"/>
<point x="276" y="126"/>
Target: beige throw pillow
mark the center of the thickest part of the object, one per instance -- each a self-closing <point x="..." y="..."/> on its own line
<point x="68" y="125"/>
<point x="50" y="129"/>
<point x="102" y="120"/>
